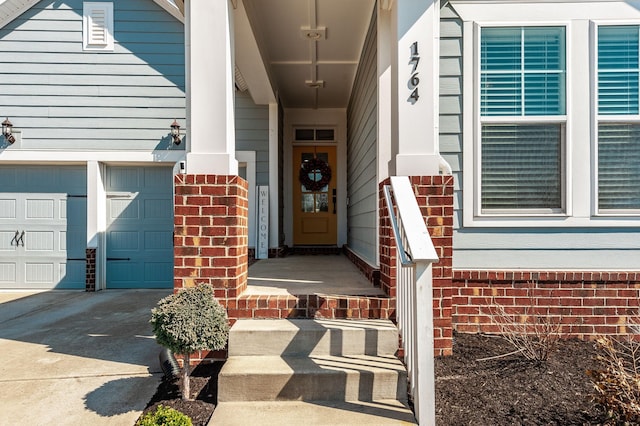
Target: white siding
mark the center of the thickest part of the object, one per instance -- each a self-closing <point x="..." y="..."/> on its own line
<point x="362" y="184"/>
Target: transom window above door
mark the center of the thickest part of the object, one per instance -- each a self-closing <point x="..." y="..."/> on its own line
<point x="305" y="134"/>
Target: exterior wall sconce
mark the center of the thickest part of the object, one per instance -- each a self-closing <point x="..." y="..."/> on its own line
<point x="175" y="132"/>
<point x="6" y="131"/>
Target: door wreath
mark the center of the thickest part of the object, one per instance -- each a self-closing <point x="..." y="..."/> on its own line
<point x="309" y="170"/>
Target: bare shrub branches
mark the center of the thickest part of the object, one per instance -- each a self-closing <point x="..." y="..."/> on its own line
<point x="533" y="333"/>
<point x="617" y="385"/>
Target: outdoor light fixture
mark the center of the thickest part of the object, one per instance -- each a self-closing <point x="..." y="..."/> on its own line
<point x="175" y="132"/>
<point x="6" y="131"/>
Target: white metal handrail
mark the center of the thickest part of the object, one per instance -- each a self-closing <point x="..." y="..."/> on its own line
<point x="414" y="293"/>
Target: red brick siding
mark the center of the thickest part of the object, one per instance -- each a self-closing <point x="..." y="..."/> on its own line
<point x="90" y="274"/>
<point x="311" y="306"/>
<point x="211" y="233"/>
<point x="435" y="198"/>
<point x="586" y="303"/>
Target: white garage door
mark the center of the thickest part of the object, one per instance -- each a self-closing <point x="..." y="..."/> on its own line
<point x="42" y="227"/>
<point x="140" y="227"/>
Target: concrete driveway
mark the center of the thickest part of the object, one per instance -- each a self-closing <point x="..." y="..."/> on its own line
<point x="77" y="358"/>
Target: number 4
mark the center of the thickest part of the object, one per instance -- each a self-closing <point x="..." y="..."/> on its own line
<point x="414" y="95"/>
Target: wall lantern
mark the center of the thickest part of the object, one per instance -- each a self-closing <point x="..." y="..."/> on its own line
<point x="175" y="132"/>
<point x="6" y="131"/>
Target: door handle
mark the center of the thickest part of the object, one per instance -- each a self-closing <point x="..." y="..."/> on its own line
<point x="334" y="200"/>
<point x="18" y="238"/>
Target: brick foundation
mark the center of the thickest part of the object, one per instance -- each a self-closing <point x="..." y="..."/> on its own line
<point x="311" y="306"/>
<point x="588" y="304"/>
<point x="211" y="233"/>
<point x="435" y="198"/>
<point x="90" y="275"/>
<point x="371" y="272"/>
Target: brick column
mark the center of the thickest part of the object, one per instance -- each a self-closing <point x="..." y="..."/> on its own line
<point x="435" y="198"/>
<point x="90" y="272"/>
<point x="211" y="233"/>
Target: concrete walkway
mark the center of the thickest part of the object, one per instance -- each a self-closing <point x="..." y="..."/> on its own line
<point x="319" y="274"/>
<point x="77" y="358"/>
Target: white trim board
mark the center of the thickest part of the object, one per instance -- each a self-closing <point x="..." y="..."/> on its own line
<point x="11" y="9"/>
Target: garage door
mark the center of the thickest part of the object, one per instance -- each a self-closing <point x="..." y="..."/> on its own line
<point x="140" y="227"/>
<point x="42" y="227"/>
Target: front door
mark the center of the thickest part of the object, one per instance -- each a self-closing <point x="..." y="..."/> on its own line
<point x="314" y="195"/>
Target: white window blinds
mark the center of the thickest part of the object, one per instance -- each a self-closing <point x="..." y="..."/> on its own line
<point x="522" y="107"/>
<point x="618" y="138"/>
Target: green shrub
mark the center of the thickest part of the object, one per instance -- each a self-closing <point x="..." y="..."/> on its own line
<point x="164" y="416"/>
<point x="188" y="321"/>
<point x="617" y="385"/>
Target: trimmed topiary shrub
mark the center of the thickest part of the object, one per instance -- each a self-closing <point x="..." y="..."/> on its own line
<point x="164" y="416"/>
<point x="188" y="321"/>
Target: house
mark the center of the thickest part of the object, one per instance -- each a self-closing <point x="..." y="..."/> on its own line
<point x="518" y="123"/>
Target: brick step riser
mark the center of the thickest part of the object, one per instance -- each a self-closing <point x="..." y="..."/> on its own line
<point x="311" y="306"/>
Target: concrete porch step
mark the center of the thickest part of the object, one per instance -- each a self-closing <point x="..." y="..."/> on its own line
<point x="322" y="377"/>
<point x="317" y="413"/>
<point x="298" y="337"/>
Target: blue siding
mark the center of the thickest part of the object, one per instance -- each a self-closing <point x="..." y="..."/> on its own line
<point x="362" y="161"/>
<point x="515" y="247"/>
<point x="451" y="99"/>
<point x="62" y="97"/>
<point x="252" y="133"/>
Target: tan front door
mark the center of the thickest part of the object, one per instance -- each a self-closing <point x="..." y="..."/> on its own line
<point x="314" y="195"/>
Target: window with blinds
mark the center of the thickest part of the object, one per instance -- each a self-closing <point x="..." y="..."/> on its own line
<point x="97" y="26"/>
<point x="618" y="118"/>
<point x="522" y="115"/>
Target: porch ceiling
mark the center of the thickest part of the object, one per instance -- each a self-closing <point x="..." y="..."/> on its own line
<point x="310" y="48"/>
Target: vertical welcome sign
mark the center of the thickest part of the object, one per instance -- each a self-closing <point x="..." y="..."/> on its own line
<point x="262" y="250"/>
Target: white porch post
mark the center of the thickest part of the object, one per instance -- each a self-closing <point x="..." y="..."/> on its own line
<point x="417" y="25"/>
<point x="210" y="90"/>
<point x="97" y="219"/>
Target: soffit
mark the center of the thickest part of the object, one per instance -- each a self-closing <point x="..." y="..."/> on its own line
<point x="296" y="63"/>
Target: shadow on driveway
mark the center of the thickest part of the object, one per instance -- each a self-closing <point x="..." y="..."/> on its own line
<point x="71" y="357"/>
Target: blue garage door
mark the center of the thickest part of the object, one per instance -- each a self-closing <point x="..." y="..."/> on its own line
<point x="43" y="227"/>
<point x="139" y="239"/>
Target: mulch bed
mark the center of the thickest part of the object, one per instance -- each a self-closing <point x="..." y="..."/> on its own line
<point x="502" y="391"/>
<point x="204" y="394"/>
<point x="513" y="390"/>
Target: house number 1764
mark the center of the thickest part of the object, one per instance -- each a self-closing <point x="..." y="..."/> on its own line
<point x="413" y="82"/>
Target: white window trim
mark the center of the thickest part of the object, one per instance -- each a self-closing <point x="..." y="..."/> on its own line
<point x="581" y="104"/>
<point x="472" y="197"/>
<point x="634" y="119"/>
<point x="248" y="159"/>
<point x="87" y="43"/>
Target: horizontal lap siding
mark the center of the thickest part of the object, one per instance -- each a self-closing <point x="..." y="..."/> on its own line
<point x="362" y="154"/>
<point x="451" y="100"/>
<point x="62" y="97"/>
<point x="252" y="133"/>
<point x="515" y="248"/>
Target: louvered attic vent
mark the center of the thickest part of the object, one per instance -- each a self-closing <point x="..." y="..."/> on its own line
<point x="97" y="31"/>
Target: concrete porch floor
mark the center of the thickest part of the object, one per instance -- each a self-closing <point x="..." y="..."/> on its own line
<point x="321" y="274"/>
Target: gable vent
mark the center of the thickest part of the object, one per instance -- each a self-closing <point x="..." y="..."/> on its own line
<point x="98" y="26"/>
